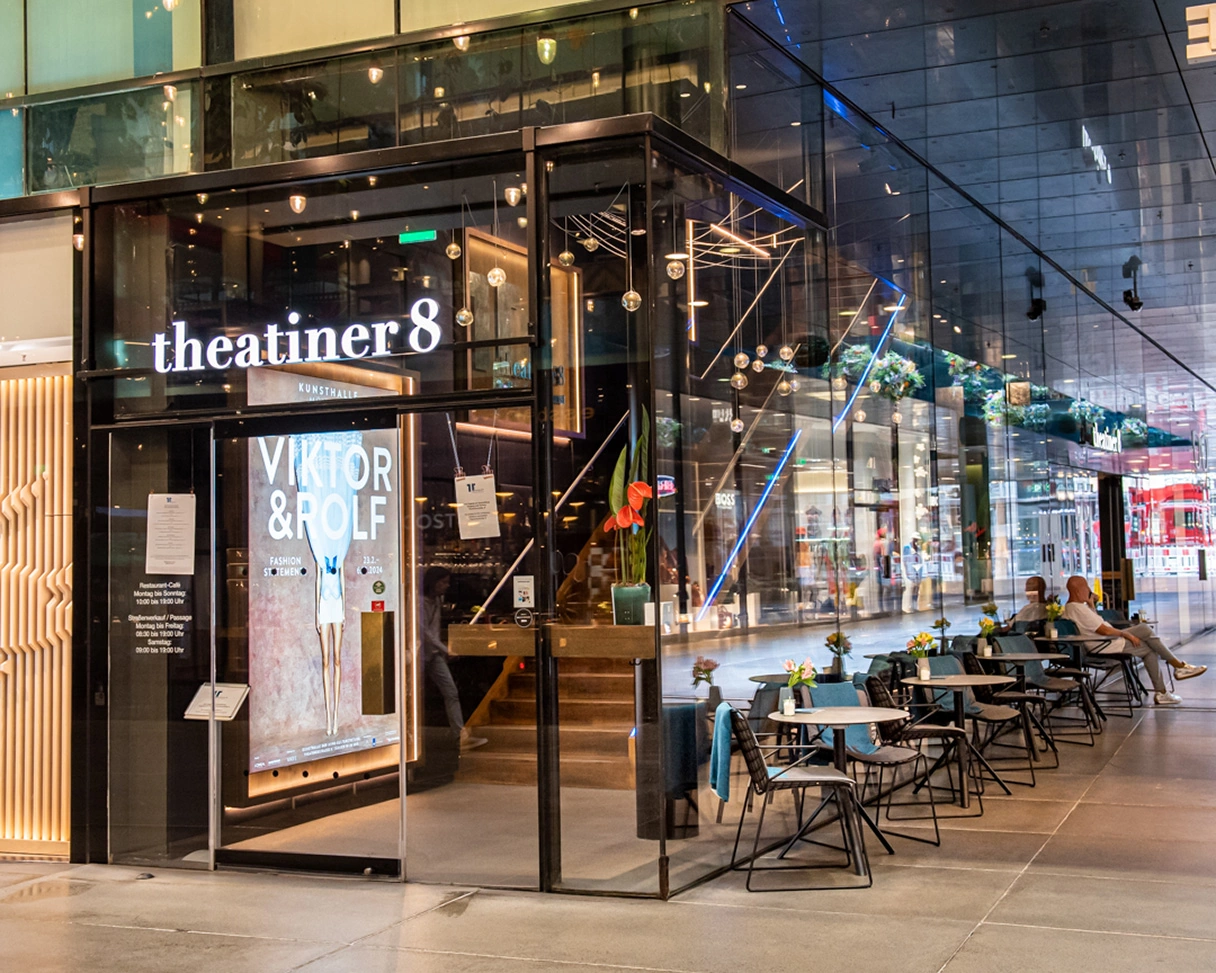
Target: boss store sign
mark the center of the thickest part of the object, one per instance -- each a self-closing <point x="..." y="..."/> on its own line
<point x="177" y="351"/>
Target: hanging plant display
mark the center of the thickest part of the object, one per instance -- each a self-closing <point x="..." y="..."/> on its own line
<point x="850" y="363"/>
<point x="1084" y="411"/>
<point x="998" y="413"/>
<point x="896" y="376"/>
<point x="970" y="375"/>
<point x="1135" y="431"/>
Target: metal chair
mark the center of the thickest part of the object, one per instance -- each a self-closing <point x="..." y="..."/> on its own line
<point x="765" y="781"/>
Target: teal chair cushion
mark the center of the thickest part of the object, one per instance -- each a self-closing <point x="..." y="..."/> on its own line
<point x="948" y="665"/>
<point x="856" y="738"/>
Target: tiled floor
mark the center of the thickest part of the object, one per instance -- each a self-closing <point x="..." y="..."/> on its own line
<point x="1108" y="865"/>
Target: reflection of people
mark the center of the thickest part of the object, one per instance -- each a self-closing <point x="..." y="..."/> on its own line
<point x="882" y="569"/>
<point x="914" y="570"/>
<point x="1139" y="640"/>
<point x="318" y="469"/>
<point x="435" y="584"/>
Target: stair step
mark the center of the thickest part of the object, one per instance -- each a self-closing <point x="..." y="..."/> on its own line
<point x="585" y="685"/>
<point x="484" y="767"/>
<point x="606" y="741"/>
<point x="577" y="712"/>
<point x="575" y="666"/>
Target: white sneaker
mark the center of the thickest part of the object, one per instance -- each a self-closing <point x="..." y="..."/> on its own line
<point x="469" y="742"/>
<point x="1187" y="671"/>
<point x="1167" y="699"/>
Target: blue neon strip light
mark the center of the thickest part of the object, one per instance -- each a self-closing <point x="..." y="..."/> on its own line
<point x="870" y="364"/>
<point x="835" y="105"/>
<point x="768" y="489"/>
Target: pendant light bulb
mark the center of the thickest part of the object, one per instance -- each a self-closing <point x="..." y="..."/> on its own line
<point x="202" y="198"/>
<point x="78" y="241"/>
<point x="496" y="276"/>
<point x="591" y="244"/>
<point x="546" y="48"/>
<point x="631" y="300"/>
<point x="838" y="383"/>
<point x="297" y="201"/>
<point x="795" y="385"/>
<point x="375" y="73"/>
<point x="461" y="42"/>
<point x="736" y="425"/>
<point x="757" y="366"/>
<point x="785" y="353"/>
<point x="859" y="415"/>
<point x="452" y="250"/>
<point x="761" y="351"/>
<point x="897" y="418"/>
<point x="512" y="194"/>
<point x="464" y="317"/>
<point x="169" y="5"/>
<point x="676" y="269"/>
<point x="783" y="387"/>
<point x="565" y="258"/>
<point x="741" y="360"/>
<point x="738" y="381"/>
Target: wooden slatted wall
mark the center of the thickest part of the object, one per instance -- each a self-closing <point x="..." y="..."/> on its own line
<point x="35" y="612"/>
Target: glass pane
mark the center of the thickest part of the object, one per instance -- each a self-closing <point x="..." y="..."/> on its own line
<point x="12" y="153"/>
<point x="310" y="619"/>
<point x="159" y="637"/>
<point x="74" y="44"/>
<point x="12" y="48"/>
<point x="113" y="138"/>
<point x="262" y="27"/>
<point x="470" y="689"/>
<point x="389" y="280"/>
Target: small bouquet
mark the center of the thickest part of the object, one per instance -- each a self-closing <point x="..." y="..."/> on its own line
<point x="991" y="609"/>
<point x="941" y="625"/>
<point x="919" y="645"/>
<point x="987" y="627"/>
<point x="839" y="644"/>
<point x="802" y="674"/>
<point x="703" y="671"/>
<point x="1054" y="610"/>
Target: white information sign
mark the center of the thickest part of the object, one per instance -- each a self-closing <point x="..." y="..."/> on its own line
<point x="228" y="699"/>
<point x="524" y="591"/>
<point x="170" y="534"/>
<point x="476" y="507"/>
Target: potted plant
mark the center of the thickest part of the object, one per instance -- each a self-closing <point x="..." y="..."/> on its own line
<point x="839" y="645"/>
<point x="802" y="674"/>
<point x="1054" y="610"/>
<point x="703" y="672"/>
<point x="918" y="648"/>
<point x="941" y="626"/>
<point x="987" y="627"/>
<point x="628" y="495"/>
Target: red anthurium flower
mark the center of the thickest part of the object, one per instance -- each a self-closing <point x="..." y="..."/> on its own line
<point x="610" y="523"/>
<point x="637" y="492"/>
<point x="624" y="517"/>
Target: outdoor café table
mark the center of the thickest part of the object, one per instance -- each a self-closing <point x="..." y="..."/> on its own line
<point x="1019" y="661"/>
<point x="838" y="719"/>
<point x="771" y="678"/>
<point x="958" y="685"/>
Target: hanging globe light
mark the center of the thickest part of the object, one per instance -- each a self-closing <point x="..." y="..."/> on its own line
<point x="757" y="366"/>
<point x="675" y="269"/>
<point x="795" y="384"/>
<point x="464" y="317"/>
<point x="512" y="195"/>
<point x="786" y="353"/>
<point x="546" y="49"/>
<point x="738" y="381"/>
<point x="761" y="351"/>
<point x="452" y="250"/>
<point x="496" y="277"/>
<point x="631" y="300"/>
<point x="784" y="387"/>
<point x="741" y="360"/>
<point x="565" y="258"/>
<point x="838" y="383"/>
<point x="897" y="417"/>
<point x="860" y="415"/>
<point x="591" y="244"/>
<point x="736" y="425"/>
<point x="875" y="387"/>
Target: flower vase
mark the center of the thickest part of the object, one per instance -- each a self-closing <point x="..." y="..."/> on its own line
<point x="715" y="698"/>
<point x="786" y="703"/>
<point x="982" y="648"/>
<point x="836" y="668"/>
<point x="1051" y="630"/>
<point x="922" y="669"/>
<point x="629" y="603"/>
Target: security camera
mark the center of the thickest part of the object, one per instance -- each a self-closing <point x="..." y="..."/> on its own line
<point x="1132" y="300"/>
<point x="1037" y="307"/>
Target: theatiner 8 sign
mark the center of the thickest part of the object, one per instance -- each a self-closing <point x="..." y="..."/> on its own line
<point x="276" y="345"/>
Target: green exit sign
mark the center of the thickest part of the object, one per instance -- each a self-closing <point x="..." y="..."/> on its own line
<point x="416" y="236"/>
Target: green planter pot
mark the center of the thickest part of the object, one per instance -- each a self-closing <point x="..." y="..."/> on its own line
<point x="629" y="603"/>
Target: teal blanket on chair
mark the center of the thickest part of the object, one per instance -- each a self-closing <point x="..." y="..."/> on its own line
<point x="719" y="754"/>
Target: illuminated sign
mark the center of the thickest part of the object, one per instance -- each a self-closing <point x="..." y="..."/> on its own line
<point x="276" y="345"/>
<point x="1108" y="442"/>
<point x="416" y="236"/>
<point x="666" y="485"/>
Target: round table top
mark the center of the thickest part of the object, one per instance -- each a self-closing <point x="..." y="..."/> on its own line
<point x="959" y="681"/>
<point x="1020" y="658"/>
<point x="841" y="715"/>
<point x="772" y="677"/>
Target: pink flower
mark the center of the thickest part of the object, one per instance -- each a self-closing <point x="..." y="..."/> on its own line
<point x="788" y="665"/>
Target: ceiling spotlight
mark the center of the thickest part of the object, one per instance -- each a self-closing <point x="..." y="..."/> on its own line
<point x="1037" y="307"/>
<point x="170" y="92"/>
<point x="168" y="5"/>
<point x="78" y="241"/>
<point x="297" y="201"/>
<point x="513" y="195"/>
<point x="202" y="199"/>
<point x="375" y="73"/>
<point x="461" y="42"/>
<point x="1132" y="300"/>
<point x="546" y="48"/>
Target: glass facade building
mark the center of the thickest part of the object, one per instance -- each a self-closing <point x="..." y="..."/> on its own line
<point x="397" y="310"/>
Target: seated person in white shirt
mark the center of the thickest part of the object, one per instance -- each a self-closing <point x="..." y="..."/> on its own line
<point x="1139" y="640"/>
<point x="1035" y="609"/>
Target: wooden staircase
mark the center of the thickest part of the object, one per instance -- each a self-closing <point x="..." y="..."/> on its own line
<point x="595" y="713"/>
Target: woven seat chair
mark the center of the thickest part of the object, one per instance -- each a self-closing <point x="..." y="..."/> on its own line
<point x="764" y="782"/>
<point x="1068" y="689"/>
<point x="992" y="700"/>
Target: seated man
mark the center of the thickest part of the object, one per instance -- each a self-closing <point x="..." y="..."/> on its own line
<point x="1035" y="609"/>
<point x="1139" y="640"/>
